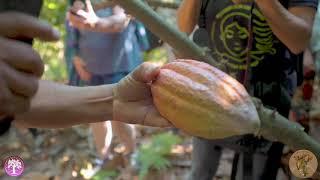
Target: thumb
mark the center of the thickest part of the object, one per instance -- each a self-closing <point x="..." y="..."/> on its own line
<point x="18" y="25"/>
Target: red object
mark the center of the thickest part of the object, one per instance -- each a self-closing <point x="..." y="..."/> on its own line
<point x="309" y="74"/>
<point x="307" y="91"/>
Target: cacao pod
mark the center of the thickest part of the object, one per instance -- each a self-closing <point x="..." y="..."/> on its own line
<point x="204" y="101"/>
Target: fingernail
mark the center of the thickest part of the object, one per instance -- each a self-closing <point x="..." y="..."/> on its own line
<point x="56" y="33"/>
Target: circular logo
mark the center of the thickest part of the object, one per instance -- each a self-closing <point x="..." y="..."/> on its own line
<point x="230" y="35"/>
<point x="303" y="164"/>
<point x="13" y="166"/>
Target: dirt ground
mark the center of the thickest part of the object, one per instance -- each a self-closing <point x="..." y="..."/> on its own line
<point x="70" y="154"/>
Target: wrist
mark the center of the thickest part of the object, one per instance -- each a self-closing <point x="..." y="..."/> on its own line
<point x="106" y="99"/>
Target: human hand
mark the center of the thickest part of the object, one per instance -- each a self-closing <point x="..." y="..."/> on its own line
<point x="82" y="16"/>
<point x="133" y="102"/>
<point x="20" y="66"/>
<point x="89" y="21"/>
<point x="80" y="67"/>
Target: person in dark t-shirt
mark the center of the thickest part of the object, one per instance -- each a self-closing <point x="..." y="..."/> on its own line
<point x="258" y="43"/>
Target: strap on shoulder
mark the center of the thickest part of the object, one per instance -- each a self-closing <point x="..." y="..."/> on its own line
<point x="202" y="17"/>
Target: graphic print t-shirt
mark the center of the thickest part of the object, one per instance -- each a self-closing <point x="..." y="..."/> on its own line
<point x="227" y="24"/>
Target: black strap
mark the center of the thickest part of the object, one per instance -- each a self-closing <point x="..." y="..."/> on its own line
<point x="202" y="17"/>
<point x="235" y="166"/>
<point x="248" y="157"/>
<point x="247" y="166"/>
<point x="246" y="80"/>
<point x="298" y="59"/>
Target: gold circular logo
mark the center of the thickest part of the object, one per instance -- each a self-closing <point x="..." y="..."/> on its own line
<point x="303" y="164"/>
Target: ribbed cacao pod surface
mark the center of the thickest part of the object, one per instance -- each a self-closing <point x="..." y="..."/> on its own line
<point x="203" y="101"/>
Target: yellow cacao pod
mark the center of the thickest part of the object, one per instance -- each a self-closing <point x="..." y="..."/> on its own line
<point x="204" y="101"/>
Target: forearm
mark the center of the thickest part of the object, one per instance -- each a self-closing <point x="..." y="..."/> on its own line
<point x="188" y="14"/>
<point x="58" y="106"/>
<point x="292" y="30"/>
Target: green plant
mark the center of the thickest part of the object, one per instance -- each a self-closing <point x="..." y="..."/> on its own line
<point x="53" y="11"/>
<point x="105" y="175"/>
<point x="155" y="153"/>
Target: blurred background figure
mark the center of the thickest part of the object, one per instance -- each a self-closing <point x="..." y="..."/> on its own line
<point x="315" y="50"/>
<point x="103" y="45"/>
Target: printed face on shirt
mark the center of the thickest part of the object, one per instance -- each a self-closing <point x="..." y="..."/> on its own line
<point x="235" y="38"/>
<point x="230" y="34"/>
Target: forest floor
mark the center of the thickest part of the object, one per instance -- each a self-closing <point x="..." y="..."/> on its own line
<point x="70" y="154"/>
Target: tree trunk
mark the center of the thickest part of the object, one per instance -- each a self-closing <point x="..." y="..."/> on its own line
<point x="273" y="126"/>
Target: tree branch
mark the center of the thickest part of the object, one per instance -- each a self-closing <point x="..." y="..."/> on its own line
<point x="152" y="3"/>
<point x="163" y="4"/>
<point x="273" y="126"/>
<point x="166" y="32"/>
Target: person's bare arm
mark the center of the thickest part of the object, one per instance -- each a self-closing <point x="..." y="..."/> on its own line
<point x="129" y="101"/>
<point x="57" y="105"/>
<point x="188" y="15"/>
<point x="293" y="27"/>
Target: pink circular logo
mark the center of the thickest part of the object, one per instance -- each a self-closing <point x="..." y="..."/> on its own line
<point x="13" y="166"/>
